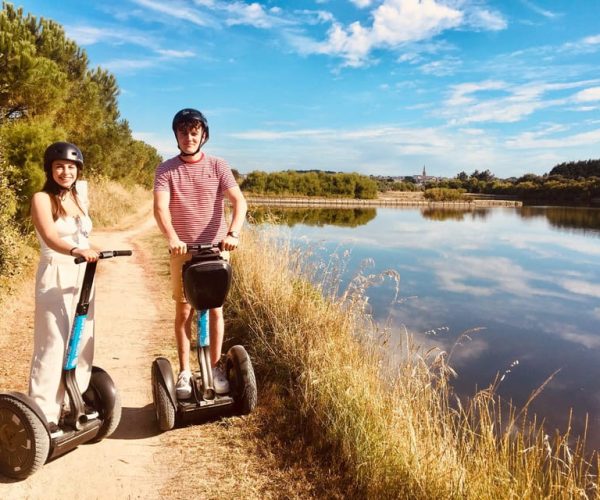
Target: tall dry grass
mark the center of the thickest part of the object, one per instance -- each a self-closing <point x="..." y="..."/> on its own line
<point x="396" y="431"/>
<point x="116" y="205"/>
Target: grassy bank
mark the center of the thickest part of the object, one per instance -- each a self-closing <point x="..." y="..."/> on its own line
<point x="391" y="431"/>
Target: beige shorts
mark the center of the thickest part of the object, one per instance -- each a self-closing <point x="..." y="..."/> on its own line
<point x="176" y="265"/>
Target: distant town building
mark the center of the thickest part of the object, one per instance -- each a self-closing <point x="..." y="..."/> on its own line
<point x="424" y="178"/>
<point x="419" y="179"/>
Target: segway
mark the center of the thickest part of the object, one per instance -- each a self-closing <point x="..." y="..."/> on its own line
<point x="26" y="439"/>
<point x="206" y="279"/>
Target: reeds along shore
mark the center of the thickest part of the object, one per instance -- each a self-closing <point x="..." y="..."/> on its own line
<point x="393" y="431"/>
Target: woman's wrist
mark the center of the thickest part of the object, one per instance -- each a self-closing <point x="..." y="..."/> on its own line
<point x="72" y="250"/>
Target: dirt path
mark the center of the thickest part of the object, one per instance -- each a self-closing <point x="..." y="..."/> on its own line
<point x="112" y="468"/>
<point x="235" y="457"/>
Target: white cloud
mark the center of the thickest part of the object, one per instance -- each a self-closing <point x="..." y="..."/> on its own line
<point x="592" y="40"/>
<point x="249" y="14"/>
<point x="487" y="20"/>
<point x="407" y="139"/>
<point x="442" y="67"/>
<point x="591" y="341"/>
<point x="176" y="53"/>
<point x="399" y="21"/>
<point x="539" y="10"/>
<point x="395" y="22"/>
<point x="587" y="95"/>
<point x="529" y="140"/>
<point x="179" y="10"/>
<point x="508" y="278"/>
<point x="90" y="35"/>
<point x="467" y="103"/>
<point x="362" y="3"/>
<point x="462" y="94"/>
<point x="581" y="287"/>
<point x="126" y="65"/>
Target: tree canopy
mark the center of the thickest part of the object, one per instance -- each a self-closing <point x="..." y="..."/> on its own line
<point x="49" y="93"/>
<point x="577" y="169"/>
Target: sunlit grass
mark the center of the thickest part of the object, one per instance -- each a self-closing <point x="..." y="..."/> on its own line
<point x="394" y="430"/>
<point x="114" y="205"/>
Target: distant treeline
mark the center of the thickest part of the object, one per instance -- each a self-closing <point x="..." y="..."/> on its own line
<point x="310" y="183"/>
<point x="577" y="169"/>
<point x="574" y="183"/>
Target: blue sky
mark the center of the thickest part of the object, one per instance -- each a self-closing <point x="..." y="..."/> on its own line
<point x="376" y="87"/>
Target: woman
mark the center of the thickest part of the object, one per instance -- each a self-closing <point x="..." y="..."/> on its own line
<point x="62" y="226"/>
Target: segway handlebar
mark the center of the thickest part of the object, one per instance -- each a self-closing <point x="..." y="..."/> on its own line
<point x="199" y="247"/>
<point x="107" y="254"/>
<point x="203" y="246"/>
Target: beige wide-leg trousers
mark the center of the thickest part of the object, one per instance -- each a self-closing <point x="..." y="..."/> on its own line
<point x="58" y="283"/>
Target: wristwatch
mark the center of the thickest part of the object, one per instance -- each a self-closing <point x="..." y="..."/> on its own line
<point x="233" y="234"/>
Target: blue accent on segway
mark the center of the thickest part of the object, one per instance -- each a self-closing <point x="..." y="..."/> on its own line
<point x="203" y="329"/>
<point x="73" y="352"/>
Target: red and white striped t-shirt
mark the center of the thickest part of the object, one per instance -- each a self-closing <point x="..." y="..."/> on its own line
<point x="196" y="201"/>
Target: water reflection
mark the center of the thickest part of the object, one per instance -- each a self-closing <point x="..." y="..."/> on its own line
<point x="442" y="214"/>
<point x="349" y="217"/>
<point x="529" y="277"/>
<point x="575" y="219"/>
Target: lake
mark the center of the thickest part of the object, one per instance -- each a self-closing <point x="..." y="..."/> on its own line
<point x="529" y="277"/>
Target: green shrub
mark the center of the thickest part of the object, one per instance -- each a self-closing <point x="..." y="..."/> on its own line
<point x="444" y="194"/>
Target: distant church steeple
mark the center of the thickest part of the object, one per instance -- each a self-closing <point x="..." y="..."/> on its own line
<point x="424" y="173"/>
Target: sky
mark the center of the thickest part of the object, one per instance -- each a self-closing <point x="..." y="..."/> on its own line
<point x="382" y="87"/>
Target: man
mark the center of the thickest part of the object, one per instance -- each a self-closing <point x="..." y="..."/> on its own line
<point x="189" y="192"/>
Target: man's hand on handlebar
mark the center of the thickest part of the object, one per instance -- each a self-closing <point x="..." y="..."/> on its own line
<point x="177" y="247"/>
<point x="230" y="243"/>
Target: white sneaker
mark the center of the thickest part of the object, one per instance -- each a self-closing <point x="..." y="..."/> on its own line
<point x="220" y="382"/>
<point x="184" y="387"/>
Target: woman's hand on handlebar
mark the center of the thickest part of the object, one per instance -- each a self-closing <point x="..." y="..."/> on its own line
<point x="88" y="254"/>
<point x="177" y="247"/>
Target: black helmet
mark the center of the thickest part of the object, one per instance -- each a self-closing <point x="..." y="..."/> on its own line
<point x="62" y="151"/>
<point x="189" y="115"/>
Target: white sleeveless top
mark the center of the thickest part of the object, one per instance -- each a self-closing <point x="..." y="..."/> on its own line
<point x="75" y="230"/>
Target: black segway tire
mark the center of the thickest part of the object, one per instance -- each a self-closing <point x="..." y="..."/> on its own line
<point x="102" y="396"/>
<point x="241" y="380"/>
<point x="24" y="440"/>
<point x="163" y="406"/>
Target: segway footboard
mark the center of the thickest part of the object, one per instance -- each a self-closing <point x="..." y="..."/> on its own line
<point x="205" y="409"/>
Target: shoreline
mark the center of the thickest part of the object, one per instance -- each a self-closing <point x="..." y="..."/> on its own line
<point x="382" y="202"/>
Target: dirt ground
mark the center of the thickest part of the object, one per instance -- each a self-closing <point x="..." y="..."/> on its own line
<point x="225" y="458"/>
